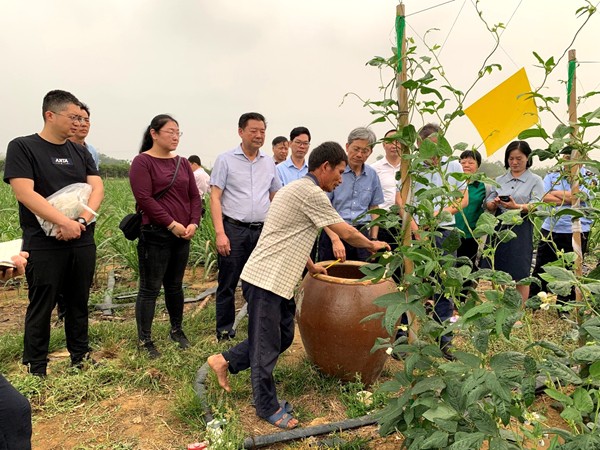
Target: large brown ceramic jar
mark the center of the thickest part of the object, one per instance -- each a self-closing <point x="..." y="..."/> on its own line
<point x="330" y="310"/>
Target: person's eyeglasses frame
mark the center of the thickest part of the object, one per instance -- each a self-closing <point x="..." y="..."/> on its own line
<point x="72" y="118"/>
<point x="173" y="133"/>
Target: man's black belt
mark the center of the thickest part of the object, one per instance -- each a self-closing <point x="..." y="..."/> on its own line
<point x="252" y="225"/>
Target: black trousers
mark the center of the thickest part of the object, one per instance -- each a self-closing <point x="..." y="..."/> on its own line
<point x="162" y="260"/>
<point x="270" y="333"/>
<point x="15" y="418"/>
<point x="242" y="241"/>
<point x="546" y="253"/>
<point x="352" y="253"/>
<point x="68" y="273"/>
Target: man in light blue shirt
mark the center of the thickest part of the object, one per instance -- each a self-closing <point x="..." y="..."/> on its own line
<point x="557" y="232"/>
<point x="359" y="192"/>
<point x="243" y="182"/>
<point x="295" y="167"/>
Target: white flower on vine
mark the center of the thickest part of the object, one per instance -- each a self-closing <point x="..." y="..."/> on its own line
<point x="543" y="295"/>
<point x="389" y="350"/>
<point x="403" y="327"/>
<point x="545" y="306"/>
<point x="387" y="255"/>
<point x="531" y="417"/>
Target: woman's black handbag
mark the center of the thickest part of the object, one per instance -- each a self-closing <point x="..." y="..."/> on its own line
<point x="131" y="224"/>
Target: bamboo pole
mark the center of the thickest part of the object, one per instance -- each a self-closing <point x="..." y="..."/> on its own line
<point x="574" y="177"/>
<point x="405" y="190"/>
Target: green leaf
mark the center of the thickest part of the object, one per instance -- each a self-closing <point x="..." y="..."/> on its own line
<point x="582" y="400"/>
<point x="533" y="133"/>
<point x="592" y="327"/>
<point x="560" y="371"/>
<point x="492" y="383"/>
<point x="549" y="346"/>
<point x="438" y="439"/>
<point x="481" y="341"/>
<point x="447" y="425"/>
<point x="453" y="395"/>
<point x="562" y="131"/>
<point x="560" y="274"/>
<point x="506" y="362"/>
<point x="428" y="384"/>
<point x="557" y="395"/>
<point x="528" y="390"/>
<point x="512" y="297"/>
<point x="483" y="421"/>
<point x="595" y="370"/>
<point x="428" y="149"/>
<point x="588" y="353"/>
<point x="571" y="414"/>
<point x="442" y="411"/>
<point x="467" y="441"/>
<point x="468" y="359"/>
<point x="482" y="309"/>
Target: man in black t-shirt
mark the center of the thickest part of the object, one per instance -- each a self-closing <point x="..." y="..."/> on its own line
<point x="62" y="265"/>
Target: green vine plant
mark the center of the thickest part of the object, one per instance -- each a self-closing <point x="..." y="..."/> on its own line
<point x="486" y="393"/>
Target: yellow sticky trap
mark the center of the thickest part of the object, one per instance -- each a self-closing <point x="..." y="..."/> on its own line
<point x="504" y="112"/>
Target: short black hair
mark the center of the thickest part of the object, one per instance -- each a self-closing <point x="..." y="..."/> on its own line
<point x="472" y="154"/>
<point x="195" y="159"/>
<point x="278" y="140"/>
<point x="298" y="131"/>
<point x="85" y="107"/>
<point x="57" y="100"/>
<point x="523" y="146"/>
<point x="330" y="152"/>
<point x="244" y="118"/>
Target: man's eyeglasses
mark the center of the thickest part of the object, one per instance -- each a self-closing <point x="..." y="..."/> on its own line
<point x="301" y="143"/>
<point x="71" y="117"/>
<point x="173" y="132"/>
<point x="364" y="151"/>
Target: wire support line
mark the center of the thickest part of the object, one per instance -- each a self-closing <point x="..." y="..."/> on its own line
<point x="452" y="27"/>
<point x="503" y="30"/>
<point x="431" y="7"/>
<point x="511" y="17"/>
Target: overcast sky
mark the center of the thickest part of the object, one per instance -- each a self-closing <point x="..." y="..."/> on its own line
<point x="206" y="62"/>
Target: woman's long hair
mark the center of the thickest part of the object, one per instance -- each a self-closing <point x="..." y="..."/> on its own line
<point x="156" y="124"/>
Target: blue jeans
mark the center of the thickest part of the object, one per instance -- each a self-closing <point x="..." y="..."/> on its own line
<point x="270" y="333"/>
<point x="162" y="261"/>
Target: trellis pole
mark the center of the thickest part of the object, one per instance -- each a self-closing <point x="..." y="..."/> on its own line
<point x="575" y="168"/>
<point x="405" y="186"/>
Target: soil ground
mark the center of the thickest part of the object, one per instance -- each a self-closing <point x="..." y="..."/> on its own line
<point x="145" y="420"/>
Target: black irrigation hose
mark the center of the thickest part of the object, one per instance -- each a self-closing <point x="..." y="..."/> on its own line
<point x="110" y="306"/>
<point x="301" y="433"/>
<point x="200" y="390"/>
